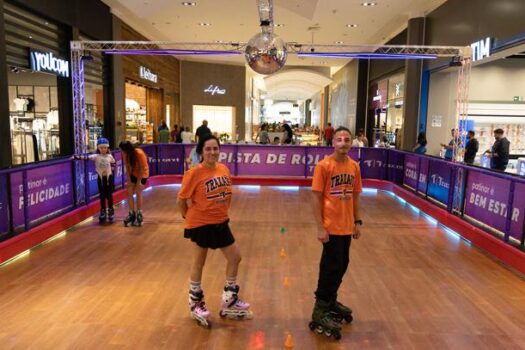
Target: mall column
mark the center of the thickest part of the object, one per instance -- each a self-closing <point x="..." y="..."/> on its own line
<point x="5" y="132"/>
<point x="413" y="71"/>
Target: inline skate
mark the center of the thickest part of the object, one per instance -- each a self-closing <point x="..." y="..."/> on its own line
<point x="130" y="219"/>
<point x="111" y="214"/>
<point x="323" y="322"/>
<point x="232" y="307"/>
<point x="139" y="219"/>
<point x="341" y="312"/>
<point x="102" y="216"/>
<point x="198" y="309"/>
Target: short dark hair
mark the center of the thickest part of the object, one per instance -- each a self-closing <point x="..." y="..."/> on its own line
<point x="499" y="131"/>
<point x="471" y="132"/>
<point x="329" y="124"/>
<point x="202" y="141"/>
<point x="342" y="128"/>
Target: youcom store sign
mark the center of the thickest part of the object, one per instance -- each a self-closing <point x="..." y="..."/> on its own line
<point x="47" y="62"/>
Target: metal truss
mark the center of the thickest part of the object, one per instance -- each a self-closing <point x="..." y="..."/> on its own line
<point x="79" y="121"/>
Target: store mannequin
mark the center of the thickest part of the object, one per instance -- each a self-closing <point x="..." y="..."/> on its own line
<point x="21" y="104"/>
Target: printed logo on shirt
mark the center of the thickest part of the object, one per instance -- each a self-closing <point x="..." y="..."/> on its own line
<point x="341" y="186"/>
<point x="221" y="183"/>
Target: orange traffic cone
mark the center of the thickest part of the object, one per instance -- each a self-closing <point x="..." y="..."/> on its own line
<point x="283" y="253"/>
<point x="286" y="282"/>
<point x="289" y="343"/>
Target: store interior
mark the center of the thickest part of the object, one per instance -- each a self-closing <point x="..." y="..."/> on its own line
<point x="138" y="127"/>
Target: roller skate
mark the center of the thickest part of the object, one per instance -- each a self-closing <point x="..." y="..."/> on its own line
<point x="198" y="309"/>
<point x="139" y="219"/>
<point x="102" y="216"/>
<point x="322" y="321"/>
<point x="130" y="219"/>
<point x="111" y="214"/>
<point x="341" y="313"/>
<point x="232" y="307"/>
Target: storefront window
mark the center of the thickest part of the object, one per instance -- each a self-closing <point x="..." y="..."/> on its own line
<point x="138" y="129"/>
<point x="395" y="102"/>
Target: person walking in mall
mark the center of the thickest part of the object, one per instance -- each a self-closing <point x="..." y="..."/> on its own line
<point x="421" y="145"/>
<point x="499" y="153"/>
<point x="359" y="140"/>
<point x="204" y="202"/>
<point x="364" y="138"/>
<point x="453" y="144"/>
<point x="336" y="188"/>
<point x="202" y="130"/>
<point x="163" y="126"/>
<point x="173" y="133"/>
<point x="137" y="170"/>
<point x="471" y="148"/>
<point x="288" y="134"/>
<point x="328" y="134"/>
<point x="186" y="135"/>
<point x="263" y="136"/>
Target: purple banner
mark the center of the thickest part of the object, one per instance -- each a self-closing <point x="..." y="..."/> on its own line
<point x="271" y="160"/>
<point x="411" y="170"/>
<point x="316" y="154"/>
<point x="518" y="205"/>
<point x="92" y="177"/>
<point x="50" y="191"/>
<point x="423" y="174"/>
<point x="439" y="180"/>
<point x="487" y="198"/>
<point x="396" y="162"/>
<point x="373" y="164"/>
<point x="171" y="159"/>
<point x="151" y="153"/>
<point x="4" y="217"/>
<point x="119" y="169"/>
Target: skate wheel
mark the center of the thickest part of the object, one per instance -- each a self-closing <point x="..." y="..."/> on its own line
<point x="337" y="336"/>
<point x="222" y="314"/>
<point x="311" y="325"/>
<point x="349" y="319"/>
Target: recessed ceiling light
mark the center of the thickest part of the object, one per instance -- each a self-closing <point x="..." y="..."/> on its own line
<point x="187" y="3"/>
<point x="368" y="3"/>
<point x="219" y="41"/>
<point x="339" y="42"/>
<point x="351" y="25"/>
<point x="30" y="37"/>
<point x="204" y="24"/>
<point x="278" y="25"/>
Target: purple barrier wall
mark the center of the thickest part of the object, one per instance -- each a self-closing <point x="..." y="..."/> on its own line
<point x="373" y="163"/>
<point x="49" y="192"/>
<point x="4" y="214"/>
<point x="411" y="170"/>
<point x="517" y="214"/>
<point x="395" y="167"/>
<point x="119" y="169"/>
<point x="151" y="153"/>
<point x="171" y="159"/>
<point x="424" y="162"/>
<point x="439" y="180"/>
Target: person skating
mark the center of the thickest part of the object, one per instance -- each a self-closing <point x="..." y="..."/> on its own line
<point x="336" y="188"/>
<point x="104" y="163"/>
<point x="204" y="202"/>
<point x="137" y="170"/>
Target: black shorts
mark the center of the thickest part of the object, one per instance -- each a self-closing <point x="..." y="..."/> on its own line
<point x="133" y="180"/>
<point x="211" y="236"/>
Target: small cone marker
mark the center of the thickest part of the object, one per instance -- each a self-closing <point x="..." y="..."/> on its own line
<point x="289" y="343"/>
<point x="283" y="253"/>
<point x="283" y="230"/>
<point x="286" y="282"/>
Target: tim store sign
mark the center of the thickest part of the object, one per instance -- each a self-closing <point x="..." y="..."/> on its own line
<point x="47" y="62"/>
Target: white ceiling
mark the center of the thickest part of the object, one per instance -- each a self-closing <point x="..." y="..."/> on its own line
<point x="323" y="21"/>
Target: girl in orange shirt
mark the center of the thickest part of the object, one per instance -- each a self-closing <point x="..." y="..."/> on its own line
<point x="209" y="188"/>
<point x="137" y="170"/>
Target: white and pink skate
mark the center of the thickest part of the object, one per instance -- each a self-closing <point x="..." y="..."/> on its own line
<point x="232" y="307"/>
<point x="198" y="309"/>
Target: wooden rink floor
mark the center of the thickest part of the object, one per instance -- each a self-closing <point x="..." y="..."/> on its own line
<point x="411" y="284"/>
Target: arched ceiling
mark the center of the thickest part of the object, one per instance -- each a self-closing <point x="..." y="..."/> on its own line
<point x="295" y="84"/>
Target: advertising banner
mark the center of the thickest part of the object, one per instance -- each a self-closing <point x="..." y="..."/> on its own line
<point x="271" y="160"/>
<point x="411" y="170"/>
<point x="423" y="174"/>
<point x="50" y="190"/>
<point x="518" y="205"/>
<point x="487" y="200"/>
<point x="4" y="217"/>
<point x="171" y="159"/>
<point x="119" y="169"/>
<point x="373" y="164"/>
<point x="396" y="162"/>
<point x="151" y="153"/>
<point x="316" y="154"/>
<point x="92" y="177"/>
<point x="439" y="180"/>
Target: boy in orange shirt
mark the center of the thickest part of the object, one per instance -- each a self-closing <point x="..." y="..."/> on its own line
<point x="204" y="200"/>
<point x="336" y="186"/>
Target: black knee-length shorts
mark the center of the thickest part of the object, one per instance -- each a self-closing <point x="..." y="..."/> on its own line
<point x="211" y="236"/>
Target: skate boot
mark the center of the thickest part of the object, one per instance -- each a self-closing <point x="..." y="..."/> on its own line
<point x="111" y="214"/>
<point x="139" y="219"/>
<point x="102" y="216"/>
<point x="233" y="307"/>
<point x="322" y="321"/>
<point x="341" y="312"/>
<point x="130" y="219"/>
<point x="198" y="309"/>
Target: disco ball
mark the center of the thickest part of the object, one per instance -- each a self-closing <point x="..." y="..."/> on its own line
<point x="265" y="53"/>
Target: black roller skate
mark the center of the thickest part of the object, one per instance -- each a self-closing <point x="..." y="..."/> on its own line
<point x="111" y="214"/>
<point x="341" y="313"/>
<point x="323" y="322"/>
<point x="130" y="219"/>
<point x="139" y="219"/>
<point x="102" y="216"/>
<point x="198" y="309"/>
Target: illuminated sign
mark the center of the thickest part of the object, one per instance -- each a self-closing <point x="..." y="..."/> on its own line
<point x="47" y="62"/>
<point x="214" y="89"/>
<point x="480" y="49"/>
<point x="146" y="74"/>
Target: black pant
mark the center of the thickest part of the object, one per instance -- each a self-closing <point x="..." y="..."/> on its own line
<point x="105" y="187"/>
<point x="329" y="142"/>
<point x="333" y="266"/>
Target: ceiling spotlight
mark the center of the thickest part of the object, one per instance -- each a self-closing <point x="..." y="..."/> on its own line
<point x="219" y="41"/>
<point x="204" y="24"/>
<point x="351" y="25"/>
<point x="187" y="3"/>
<point x="278" y="25"/>
<point x="368" y="3"/>
<point x="339" y="42"/>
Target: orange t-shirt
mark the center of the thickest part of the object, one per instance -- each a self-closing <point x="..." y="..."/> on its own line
<point x="141" y="161"/>
<point x="337" y="182"/>
<point x="210" y="191"/>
